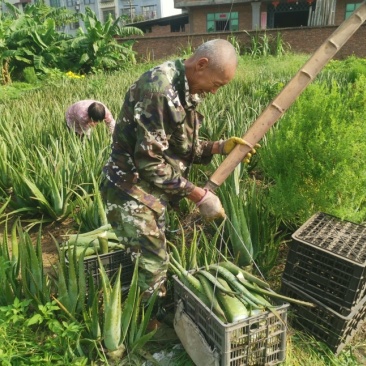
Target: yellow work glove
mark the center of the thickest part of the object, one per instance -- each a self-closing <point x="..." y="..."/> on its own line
<point x="210" y="207"/>
<point x="226" y="146"/>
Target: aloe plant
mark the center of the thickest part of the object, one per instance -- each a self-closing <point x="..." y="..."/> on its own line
<point x="124" y="321"/>
<point x="252" y="231"/>
<point x="35" y="282"/>
<point x="10" y="286"/>
<point x="71" y="283"/>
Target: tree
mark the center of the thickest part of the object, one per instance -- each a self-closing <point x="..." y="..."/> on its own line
<point x="30" y="38"/>
<point x="97" y="48"/>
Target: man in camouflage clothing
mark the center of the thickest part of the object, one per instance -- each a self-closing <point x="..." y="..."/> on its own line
<point x="154" y="143"/>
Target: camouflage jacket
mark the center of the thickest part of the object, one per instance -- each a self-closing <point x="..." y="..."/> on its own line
<point x="156" y="138"/>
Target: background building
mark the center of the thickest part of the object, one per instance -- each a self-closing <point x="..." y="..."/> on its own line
<point x="132" y="10"/>
<point x="209" y="16"/>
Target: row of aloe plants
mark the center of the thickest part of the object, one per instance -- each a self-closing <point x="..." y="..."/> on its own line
<point x="48" y="174"/>
<point x="74" y="299"/>
<point x="74" y="327"/>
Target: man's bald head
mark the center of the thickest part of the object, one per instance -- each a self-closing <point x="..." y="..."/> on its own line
<point x="212" y="66"/>
<point x="219" y="52"/>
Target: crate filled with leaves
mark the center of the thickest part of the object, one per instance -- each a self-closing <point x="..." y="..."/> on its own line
<point x="325" y="324"/>
<point x="327" y="260"/>
<point x="241" y="319"/>
<point x="100" y="246"/>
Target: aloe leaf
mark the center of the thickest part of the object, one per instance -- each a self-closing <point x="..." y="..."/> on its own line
<point x="113" y="315"/>
<point x="130" y="302"/>
<point x="38" y="195"/>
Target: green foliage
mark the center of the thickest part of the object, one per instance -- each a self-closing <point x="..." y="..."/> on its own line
<point x="186" y="51"/>
<point x="304" y="350"/>
<point x="34" y="281"/>
<point x="89" y="211"/>
<point x="70" y="281"/>
<point x="351" y="68"/>
<point x="47" y="170"/>
<point x="251" y="230"/>
<point x="10" y="286"/>
<point x="37" y="337"/>
<point x="314" y="154"/>
<point x="97" y="48"/>
<point x="236" y="43"/>
<point x="30" y="38"/>
<point x="72" y="321"/>
<point x="264" y="45"/>
<point x="314" y="160"/>
<point x="15" y="90"/>
<point x="22" y="272"/>
<point x="30" y="75"/>
<point x="204" y="245"/>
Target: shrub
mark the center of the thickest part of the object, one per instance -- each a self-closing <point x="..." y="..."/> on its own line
<point x="318" y="148"/>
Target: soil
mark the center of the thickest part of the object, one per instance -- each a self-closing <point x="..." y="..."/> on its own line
<point x="51" y="234"/>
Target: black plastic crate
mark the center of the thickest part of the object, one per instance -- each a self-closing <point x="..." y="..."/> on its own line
<point x="111" y="263"/>
<point x="327" y="259"/>
<point x="255" y="341"/>
<point x="325" y="324"/>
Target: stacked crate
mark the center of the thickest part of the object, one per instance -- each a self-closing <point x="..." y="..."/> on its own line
<point x="326" y="265"/>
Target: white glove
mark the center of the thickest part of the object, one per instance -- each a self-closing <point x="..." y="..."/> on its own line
<point x="210" y="207"/>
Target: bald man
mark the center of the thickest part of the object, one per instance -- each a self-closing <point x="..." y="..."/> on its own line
<point x="154" y="144"/>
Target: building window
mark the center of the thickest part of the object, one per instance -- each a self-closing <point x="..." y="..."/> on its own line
<point x="177" y="27"/>
<point x="130" y="12"/>
<point x="55" y="3"/>
<point x="70" y="3"/>
<point x="218" y="22"/>
<point x="350" y="8"/>
<point x="107" y="12"/>
<point x="88" y="2"/>
<point x="149" y="12"/>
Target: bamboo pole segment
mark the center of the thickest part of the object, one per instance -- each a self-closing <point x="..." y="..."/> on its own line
<point x="289" y="94"/>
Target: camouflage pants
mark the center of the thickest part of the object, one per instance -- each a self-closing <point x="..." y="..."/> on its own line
<point x="141" y="230"/>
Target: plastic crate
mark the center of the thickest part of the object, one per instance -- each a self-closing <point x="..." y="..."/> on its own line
<point x="111" y="262"/>
<point x="327" y="259"/>
<point x="255" y="341"/>
<point x="325" y="324"/>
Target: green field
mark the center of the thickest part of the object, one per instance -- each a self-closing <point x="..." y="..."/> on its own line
<point x="311" y="160"/>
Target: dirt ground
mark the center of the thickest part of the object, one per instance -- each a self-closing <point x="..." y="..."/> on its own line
<point x="52" y="233"/>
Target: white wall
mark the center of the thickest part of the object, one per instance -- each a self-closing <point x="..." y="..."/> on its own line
<point x="164" y="8"/>
<point x="167" y="8"/>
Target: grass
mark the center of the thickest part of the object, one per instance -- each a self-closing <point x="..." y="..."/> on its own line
<point x="15" y="90"/>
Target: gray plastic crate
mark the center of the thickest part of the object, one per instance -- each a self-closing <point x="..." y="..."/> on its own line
<point x="111" y="263"/>
<point x="255" y="341"/>
<point x="327" y="260"/>
<point x="325" y="324"/>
